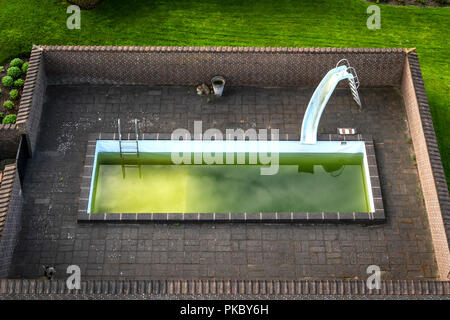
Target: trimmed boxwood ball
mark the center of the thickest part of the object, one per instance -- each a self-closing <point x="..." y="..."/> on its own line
<point x="25" y="67"/>
<point x="7" y="81"/>
<point x="14" y="72"/>
<point x="9" y="119"/>
<point x="14" y="94"/>
<point x="19" y="83"/>
<point x="8" y="104"/>
<point x="16" y="63"/>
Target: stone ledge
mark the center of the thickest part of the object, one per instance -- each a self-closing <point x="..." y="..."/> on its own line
<point x="29" y="85"/>
<point x="6" y="186"/>
<point x="431" y="174"/>
<point x="125" y="288"/>
<point x="220" y="49"/>
<point x="431" y="142"/>
<point x="8" y="127"/>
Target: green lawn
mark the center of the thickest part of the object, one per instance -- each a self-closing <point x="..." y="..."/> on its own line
<point x="320" y="23"/>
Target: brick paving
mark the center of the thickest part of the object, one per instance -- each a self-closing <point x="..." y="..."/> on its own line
<point x="50" y="235"/>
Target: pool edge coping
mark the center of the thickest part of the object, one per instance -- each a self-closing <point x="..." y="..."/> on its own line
<point x="377" y="216"/>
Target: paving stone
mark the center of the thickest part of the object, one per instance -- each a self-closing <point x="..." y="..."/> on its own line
<point x="402" y="247"/>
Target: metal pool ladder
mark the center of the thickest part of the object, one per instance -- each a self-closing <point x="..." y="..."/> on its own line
<point x="129" y="146"/>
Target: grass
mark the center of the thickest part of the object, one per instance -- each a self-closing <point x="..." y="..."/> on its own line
<point x="306" y="23"/>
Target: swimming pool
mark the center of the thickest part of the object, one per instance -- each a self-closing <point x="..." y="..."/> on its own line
<point x="330" y="176"/>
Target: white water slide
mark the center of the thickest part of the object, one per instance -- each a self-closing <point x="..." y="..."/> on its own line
<point x="321" y="96"/>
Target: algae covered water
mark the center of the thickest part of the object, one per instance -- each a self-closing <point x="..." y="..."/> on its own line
<point x="150" y="183"/>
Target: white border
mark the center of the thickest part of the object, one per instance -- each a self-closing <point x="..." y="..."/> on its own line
<point x="169" y="146"/>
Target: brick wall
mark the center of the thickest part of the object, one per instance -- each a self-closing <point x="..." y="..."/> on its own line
<point x="33" y="95"/>
<point x="431" y="173"/>
<point x="268" y="67"/>
<point x="10" y="216"/>
<point x="9" y="140"/>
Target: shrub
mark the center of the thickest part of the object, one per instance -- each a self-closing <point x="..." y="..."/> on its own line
<point x="2" y="69"/>
<point x="19" y="83"/>
<point x="14" y="94"/>
<point x="1" y="116"/>
<point x="7" y="81"/>
<point x="9" y="119"/>
<point x="8" y="104"/>
<point x="0" y="91"/>
<point x="25" y="67"/>
<point x="16" y="63"/>
<point x="14" y="72"/>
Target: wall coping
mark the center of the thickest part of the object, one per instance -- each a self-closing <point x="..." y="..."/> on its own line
<point x="431" y="141"/>
<point x="9" y="126"/>
<point x="190" y="49"/>
<point x="6" y="186"/>
<point x="237" y="288"/>
<point x="28" y="89"/>
<point x="431" y="172"/>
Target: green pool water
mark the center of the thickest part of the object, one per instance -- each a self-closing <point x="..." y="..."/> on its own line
<point x="304" y="183"/>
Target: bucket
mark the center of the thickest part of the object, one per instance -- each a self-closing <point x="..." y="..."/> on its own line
<point x="218" y="84"/>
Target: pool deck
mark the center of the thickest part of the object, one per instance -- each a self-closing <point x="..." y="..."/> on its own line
<point x="51" y="235"/>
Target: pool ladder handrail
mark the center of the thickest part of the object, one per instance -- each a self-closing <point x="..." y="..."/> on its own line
<point x="123" y="148"/>
<point x="353" y="82"/>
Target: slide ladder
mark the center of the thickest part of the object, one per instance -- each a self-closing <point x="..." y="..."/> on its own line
<point x="352" y="82"/>
<point x="322" y="94"/>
